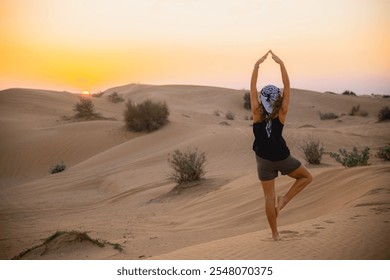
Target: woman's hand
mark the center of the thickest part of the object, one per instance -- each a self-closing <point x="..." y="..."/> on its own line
<point x="261" y="60"/>
<point x="276" y="58"/>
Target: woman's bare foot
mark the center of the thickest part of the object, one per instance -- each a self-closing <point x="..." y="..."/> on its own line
<point x="282" y="200"/>
<point x="276" y="237"/>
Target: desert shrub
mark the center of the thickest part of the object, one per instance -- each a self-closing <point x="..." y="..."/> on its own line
<point x="84" y="108"/>
<point x="313" y="150"/>
<point x="57" y="168"/>
<point x="384" y="114"/>
<point x="98" y="94"/>
<point x="328" y="116"/>
<point x="352" y="159"/>
<point x="146" y="116"/>
<point x="384" y="153"/>
<point x="115" y="97"/>
<point x="348" y="92"/>
<point x="247" y="100"/>
<point x="187" y="166"/>
<point x="71" y="236"/>
<point x="230" y="116"/>
<point x="216" y="113"/>
<point x="355" y="111"/>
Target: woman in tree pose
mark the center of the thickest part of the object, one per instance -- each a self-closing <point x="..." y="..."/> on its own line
<point x="269" y="109"/>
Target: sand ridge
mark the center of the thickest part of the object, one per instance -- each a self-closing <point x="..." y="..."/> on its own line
<point x="116" y="186"/>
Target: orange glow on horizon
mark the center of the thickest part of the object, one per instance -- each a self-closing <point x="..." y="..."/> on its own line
<point x="194" y="42"/>
<point x="85" y="92"/>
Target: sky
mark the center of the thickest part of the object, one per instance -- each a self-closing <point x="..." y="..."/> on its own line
<point x="76" y="45"/>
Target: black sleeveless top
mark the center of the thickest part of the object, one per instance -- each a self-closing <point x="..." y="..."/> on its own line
<point x="273" y="148"/>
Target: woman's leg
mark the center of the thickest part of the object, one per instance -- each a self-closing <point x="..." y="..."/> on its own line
<point x="302" y="178"/>
<point x="270" y="210"/>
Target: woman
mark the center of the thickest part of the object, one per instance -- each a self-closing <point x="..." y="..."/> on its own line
<point x="272" y="153"/>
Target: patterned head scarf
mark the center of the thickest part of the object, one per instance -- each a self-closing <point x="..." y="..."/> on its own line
<point x="269" y="94"/>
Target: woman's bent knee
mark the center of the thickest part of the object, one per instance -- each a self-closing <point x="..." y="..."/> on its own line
<point x="301" y="173"/>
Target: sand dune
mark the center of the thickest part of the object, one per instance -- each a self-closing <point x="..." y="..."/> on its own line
<point x="353" y="225"/>
<point x="116" y="186"/>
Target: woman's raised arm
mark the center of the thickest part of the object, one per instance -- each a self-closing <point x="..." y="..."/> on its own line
<point x="255" y="104"/>
<point x="286" y="84"/>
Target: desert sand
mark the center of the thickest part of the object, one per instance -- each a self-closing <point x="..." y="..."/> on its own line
<point x="116" y="186"/>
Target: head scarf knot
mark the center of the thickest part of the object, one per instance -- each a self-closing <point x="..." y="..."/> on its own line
<point x="268" y="95"/>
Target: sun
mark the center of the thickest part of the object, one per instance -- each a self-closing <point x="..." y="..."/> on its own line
<point x="85" y="92"/>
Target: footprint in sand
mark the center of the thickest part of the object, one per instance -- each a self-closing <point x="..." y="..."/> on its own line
<point x="310" y="233"/>
<point x="318" y="226"/>
<point x="289" y="233"/>
<point x="356" y="216"/>
<point x="376" y="191"/>
<point x="295" y="234"/>
<point x="329" y="221"/>
<point x="380" y="209"/>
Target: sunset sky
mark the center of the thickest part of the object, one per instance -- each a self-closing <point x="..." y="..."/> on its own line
<point x="76" y="45"/>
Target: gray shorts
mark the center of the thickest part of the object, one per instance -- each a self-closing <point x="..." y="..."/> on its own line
<point x="268" y="170"/>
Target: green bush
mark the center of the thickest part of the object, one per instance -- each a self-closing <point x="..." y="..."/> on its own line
<point x="384" y="153"/>
<point x="313" y="150"/>
<point x="247" y="100"/>
<point x="115" y="97"/>
<point x="355" y="111"/>
<point x="146" y="116"/>
<point x="328" y="116"/>
<point x="84" y="108"/>
<point x="384" y="114"/>
<point x="352" y="159"/>
<point x="187" y="166"/>
<point x="57" y="168"/>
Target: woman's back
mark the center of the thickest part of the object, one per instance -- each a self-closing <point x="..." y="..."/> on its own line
<point x="274" y="147"/>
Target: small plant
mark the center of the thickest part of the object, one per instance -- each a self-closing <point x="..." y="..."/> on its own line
<point x="115" y="97"/>
<point x="348" y="92"/>
<point x="118" y="247"/>
<point x="384" y="114"/>
<point x="84" y="108"/>
<point x="187" y="166"/>
<point x="328" y="116"/>
<point x="352" y="159"/>
<point x="98" y="94"/>
<point x="384" y="153"/>
<point x="230" y="116"/>
<point x="247" y="100"/>
<point x="147" y="116"/>
<point x="70" y="237"/>
<point x="313" y="150"/>
<point x="57" y="168"/>
<point x="355" y="111"/>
